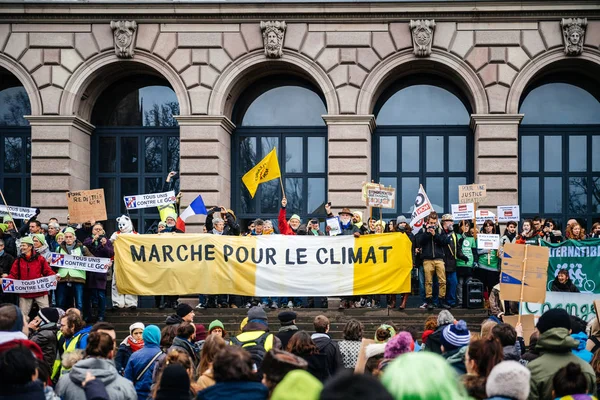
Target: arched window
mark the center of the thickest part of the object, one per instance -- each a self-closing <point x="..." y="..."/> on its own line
<point x="15" y="141"/>
<point x="285" y="114"/>
<point x="135" y="144"/>
<point x="559" y="146"/>
<point x="422" y="137"/>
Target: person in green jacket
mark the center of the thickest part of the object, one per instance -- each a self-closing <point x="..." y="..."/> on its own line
<point x="488" y="270"/>
<point x="555" y="345"/>
<point x="464" y="270"/>
<point x="71" y="281"/>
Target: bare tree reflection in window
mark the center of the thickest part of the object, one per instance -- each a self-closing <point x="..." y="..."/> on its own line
<point x="13" y="148"/>
<point x="248" y="159"/>
<point x="578" y="189"/>
<point x="14" y="104"/>
<point x="153" y="153"/>
<point x="293" y="193"/>
<point x="162" y="115"/>
<point x="596" y="195"/>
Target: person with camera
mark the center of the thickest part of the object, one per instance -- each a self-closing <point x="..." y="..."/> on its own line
<point x="550" y="233"/>
<point x="95" y="285"/>
<point x="432" y="242"/>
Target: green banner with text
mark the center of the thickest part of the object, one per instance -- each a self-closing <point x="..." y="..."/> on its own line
<point x="581" y="258"/>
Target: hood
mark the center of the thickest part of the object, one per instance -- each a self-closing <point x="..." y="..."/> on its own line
<point x="359" y="223"/>
<point x="102" y="369"/>
<point x="173" y="320"/>
<point x="511" y="353"/>
<point x="51" y="326"/>
<point x="456" y="356"/>
<point x="298" y="384"/>
<point x="235" y="391"/>
<point x="582" y="338"/>
<point x="556" y="340"/>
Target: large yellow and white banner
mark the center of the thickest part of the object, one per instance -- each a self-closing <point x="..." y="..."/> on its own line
<point x="274" y="265"/>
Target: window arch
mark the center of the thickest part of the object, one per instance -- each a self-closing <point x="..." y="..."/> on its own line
<point x="15" y="136"/>
<point x="559" y="166"/>
<point x="422" y="137"/>
<point x="284" y="113"/>
<point x="135" y="144"/>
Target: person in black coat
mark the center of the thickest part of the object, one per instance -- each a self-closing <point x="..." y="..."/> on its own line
<point x="326" y="345"/>
<point x="563" y="283"/>
<point x="6" y="262"/>
<point x="288" y="327"/>
<point x="42" y="331"/>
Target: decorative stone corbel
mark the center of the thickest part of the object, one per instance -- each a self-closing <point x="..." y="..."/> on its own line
<point x="422" y="36"/>
<point x="573" y="35"/>
<point x="273" y="36"/>
<point x="124" y="33"/>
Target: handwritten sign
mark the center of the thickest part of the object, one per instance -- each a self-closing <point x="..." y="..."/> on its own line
<point x="91" y="264"/>
<point x="461" y="212"/>
<point x="536" y="273"/>
<point x="42" y="284"/>
<point x="488" y="242"/>
<point x="86" y="205"/>
<point x="366" y="186"/>
<point x="18" y="212"/>
<point x="149" y="200"/>
<point x="508" y="213"/>
<point x="471" y="193"/>
<point x="381" y="197"/>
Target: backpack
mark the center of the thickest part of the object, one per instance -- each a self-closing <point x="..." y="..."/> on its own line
<point x="256" y="348"/>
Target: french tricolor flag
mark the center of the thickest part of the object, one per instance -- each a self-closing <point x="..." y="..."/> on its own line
<point x="196" y="207"/>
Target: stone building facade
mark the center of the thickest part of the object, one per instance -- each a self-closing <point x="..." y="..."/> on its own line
<point x="66" y="53"/>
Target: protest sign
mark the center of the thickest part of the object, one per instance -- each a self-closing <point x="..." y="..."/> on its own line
<point x="461" y="212"/>
<point x="91" y="264"/>
<point x="365" y="188"/>
<point x="578" y="304"/>
<point x="274" y="265"/>
<point x="42" y="284"/>
<point x="381" y="197"/>
<point x="527" y="322"/>
<point x="471" y="193"/>
<point x="488" y="242"/>
<point x="86" y="205"/>
<point x="508" y="213"/>
<point x="511" y="277"/>
<point x="149" y="200"/>
<point x="484" y="215"/>
<point x="581" y="258"/>
<point x="334" y="226"/>
<point x="17" y="212"/>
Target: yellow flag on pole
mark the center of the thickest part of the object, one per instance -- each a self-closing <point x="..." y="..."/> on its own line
<point x="266" y="170"/>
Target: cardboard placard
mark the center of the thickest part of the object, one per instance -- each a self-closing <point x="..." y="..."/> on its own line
<point x="508" y="213"/>
<point x="365" y="188"/>
<point x="527" y="321"/>
<point x="487" y="241"/>
<point x="362" y="356"/>
<point x="597" y="309"/>
<point x="86" y="205"/>
<point x="471" y="193"/>
<point x="535" y="273"/>
<point x="381" y="197"/>
<point x="461" y="212"/>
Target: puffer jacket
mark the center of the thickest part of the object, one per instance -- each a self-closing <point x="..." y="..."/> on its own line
<point x="555" y="346"/>
<point x="45" y="337"/>
<point x="34" y="267"/>
<point x="118" y="388"/>
<point x="581" y="351"/>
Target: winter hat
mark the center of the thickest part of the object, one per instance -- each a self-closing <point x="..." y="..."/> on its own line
<point x="215" y="324"/>
<point x="554" y="318"/>
<point x="401" y="220"/>
<point x="27" y="240"/>
<point x="257" y="314"/>
<point x="296" y="216"/>
<point x="134" y="326"/>
<point x="287" y="317"/>
<point x="445" y="318"/>
<point x="41" y="238"/>
<point x="385" y="327"/>
<point x="455" y="336"/>
<point x="59" y="234"/>
<point x="348" y="386"/>
<point x="7" y="218"/>
<point x="174" y="384"/>
<point x="200" y="332"/>
<point x="184" y="309"/>
<point x="69" y="230"/>
<point x="18" y="325"/>
<point x="298" y="385"/>
<point x="163" y="224"/>
<point x="508" y="379"/>
<point x="151" y="335"/>
<point x="399" y="344"/>
<point x="277" y="363"/>
<point x="48" y="315"/>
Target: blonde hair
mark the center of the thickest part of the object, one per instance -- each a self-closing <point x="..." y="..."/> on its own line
<point x="486" y="328"/>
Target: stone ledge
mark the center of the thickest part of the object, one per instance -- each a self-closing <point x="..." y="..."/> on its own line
<point x="60" y="120"/>
<point x="206" y="120"/>
<point x="350" y="119"/>
<point x="495" y="119"/>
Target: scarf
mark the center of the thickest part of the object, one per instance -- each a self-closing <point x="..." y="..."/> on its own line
<point x="134" y="344"/>
<point x="216" y="232"/>
<point x="511" y="236"/>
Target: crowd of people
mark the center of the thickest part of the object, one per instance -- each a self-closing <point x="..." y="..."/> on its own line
<point x="56" y="356"/>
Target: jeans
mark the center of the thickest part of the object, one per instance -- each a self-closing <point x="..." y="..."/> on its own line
<point x="65" y="293"/>
<point x="95" y="296"/>
<point x="452" y="283"/>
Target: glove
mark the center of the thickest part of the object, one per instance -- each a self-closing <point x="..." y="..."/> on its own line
<point x="475" y="265"/>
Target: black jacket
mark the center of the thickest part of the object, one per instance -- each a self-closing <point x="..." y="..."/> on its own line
<point x="331" y="349"/>
<point x="453" y="251"/>
<point x="318" y="366"/>
<point x="285" y="334"/>
<point x="434" y="341"/>
<point x="45" y="337"/>
<point x="6" y="262"/>
<point x="187" y="347"/>
<point x="432" y="247"/>
<point x="568" y="286"/>
<point x="231" y="226"/>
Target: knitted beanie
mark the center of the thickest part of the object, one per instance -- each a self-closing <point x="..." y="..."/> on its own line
<point x="508" y="379"/>
<point x="48" y="315"/>
<point x="455" y="336"/>
<point x="215" y="324"/>
<point x="257" y="314"/>
<point x="136" y="325"/>
<point x="554" y="318"/>
<point x="184" y="309"/>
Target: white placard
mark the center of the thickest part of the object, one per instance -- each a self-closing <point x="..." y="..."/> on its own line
<point x="488" y="242"/>
<point x="461" y="212"/>
<point x="42" y="284"/>
<point x="18" y="212"/>
<point x="508" y="213"/>
<point x="334" y="226"/>
<point x="149" y="200"/>
<point x="484" y="215"/>
<point x="91" y="264"/>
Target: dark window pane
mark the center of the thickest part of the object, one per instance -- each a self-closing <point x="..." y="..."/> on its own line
<point x="28" y="156"/>
<point x="553" y="153"/>
<point x="12" y="191"/>
<point x="596" y="195"/>
<point x="316" y="194"/>
<point x="293" y="193"/>
<point x="577" y="201"/>
<point x="530" y="195"/>
<point x="435" y="153"/>
<point x="129" y="154"/>
<point x="595" y="153"/>
<point x="14" y="104"/>
<point x="388" y="181"/>
<point x="270" y="197"/>
<point x="173" y="154"/>
<point x="110" y="194"/>
<point x="577" y="153"/>
<point x="435" y="191"/>
<point x="410" y="154"/>
<point x="154" y="185"/>
<point x="388" y="153"/>
<point x="267" y="144"/>
<point x="410" y="187"/>
<point x="247" y="154"/>
<point x="530" y="153"/>
<point x="153" y="148"/>
<point x="13" y="153"/>
<point x="316" y="154"/>
<point x="453" y="184"/>
<point x="552" y="195"/>
<point x="293" y="154"/>
<point x="107" y="156"/>
<point x="457" y="154"/>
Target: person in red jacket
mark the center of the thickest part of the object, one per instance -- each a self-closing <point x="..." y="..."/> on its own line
<point x="30" y="265"/>
<point x="287" y="227"/>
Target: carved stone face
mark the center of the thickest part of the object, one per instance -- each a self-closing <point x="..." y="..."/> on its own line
<point x="423" y="37"/>
<point x="123" y="38"/>
<point x="574" y="37"/>
<point x="272" y="38"/>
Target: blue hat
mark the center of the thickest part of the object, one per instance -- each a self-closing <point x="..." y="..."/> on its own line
<point x="455" y="336"/>
<point x="151" y="335"/>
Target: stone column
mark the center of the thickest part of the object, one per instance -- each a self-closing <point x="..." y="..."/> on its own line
<point x="496" y="157"/>
<point x="349" y="158"/>
<point x="205" y="162"/>
<point x="60" y="161"/>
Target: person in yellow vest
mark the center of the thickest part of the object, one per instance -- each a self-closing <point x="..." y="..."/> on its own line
<point x="72" y="281"/>
<point x="72" y="336"/>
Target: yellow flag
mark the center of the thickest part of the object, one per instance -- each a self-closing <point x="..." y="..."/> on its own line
<point x="266" y="170"/>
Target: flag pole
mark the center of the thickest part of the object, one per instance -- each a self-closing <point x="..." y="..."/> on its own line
<point x="282" y="189"/>
<point x="522" y="283"/>
<point x="7" y="210"/>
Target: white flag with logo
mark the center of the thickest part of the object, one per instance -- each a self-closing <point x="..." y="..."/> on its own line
<point x="422" y="209"/>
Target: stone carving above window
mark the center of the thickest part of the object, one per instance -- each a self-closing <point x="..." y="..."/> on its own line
<point x="124" y="33"/>
<point x="573" y="35"/>
<point x="273" y="33"/>
<point x="422" y="36"/>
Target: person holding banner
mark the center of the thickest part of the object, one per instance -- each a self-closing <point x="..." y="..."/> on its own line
<point x="28" y="266"/>
<point x="95" y="285"/>
<point x="287" y="227"/>
<point x="6" y="262"/>
<point x="72" y="280"/>
<point x="10" y="236"/>
<point x="489" y="262"/>
<point x="464" y="269"/>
